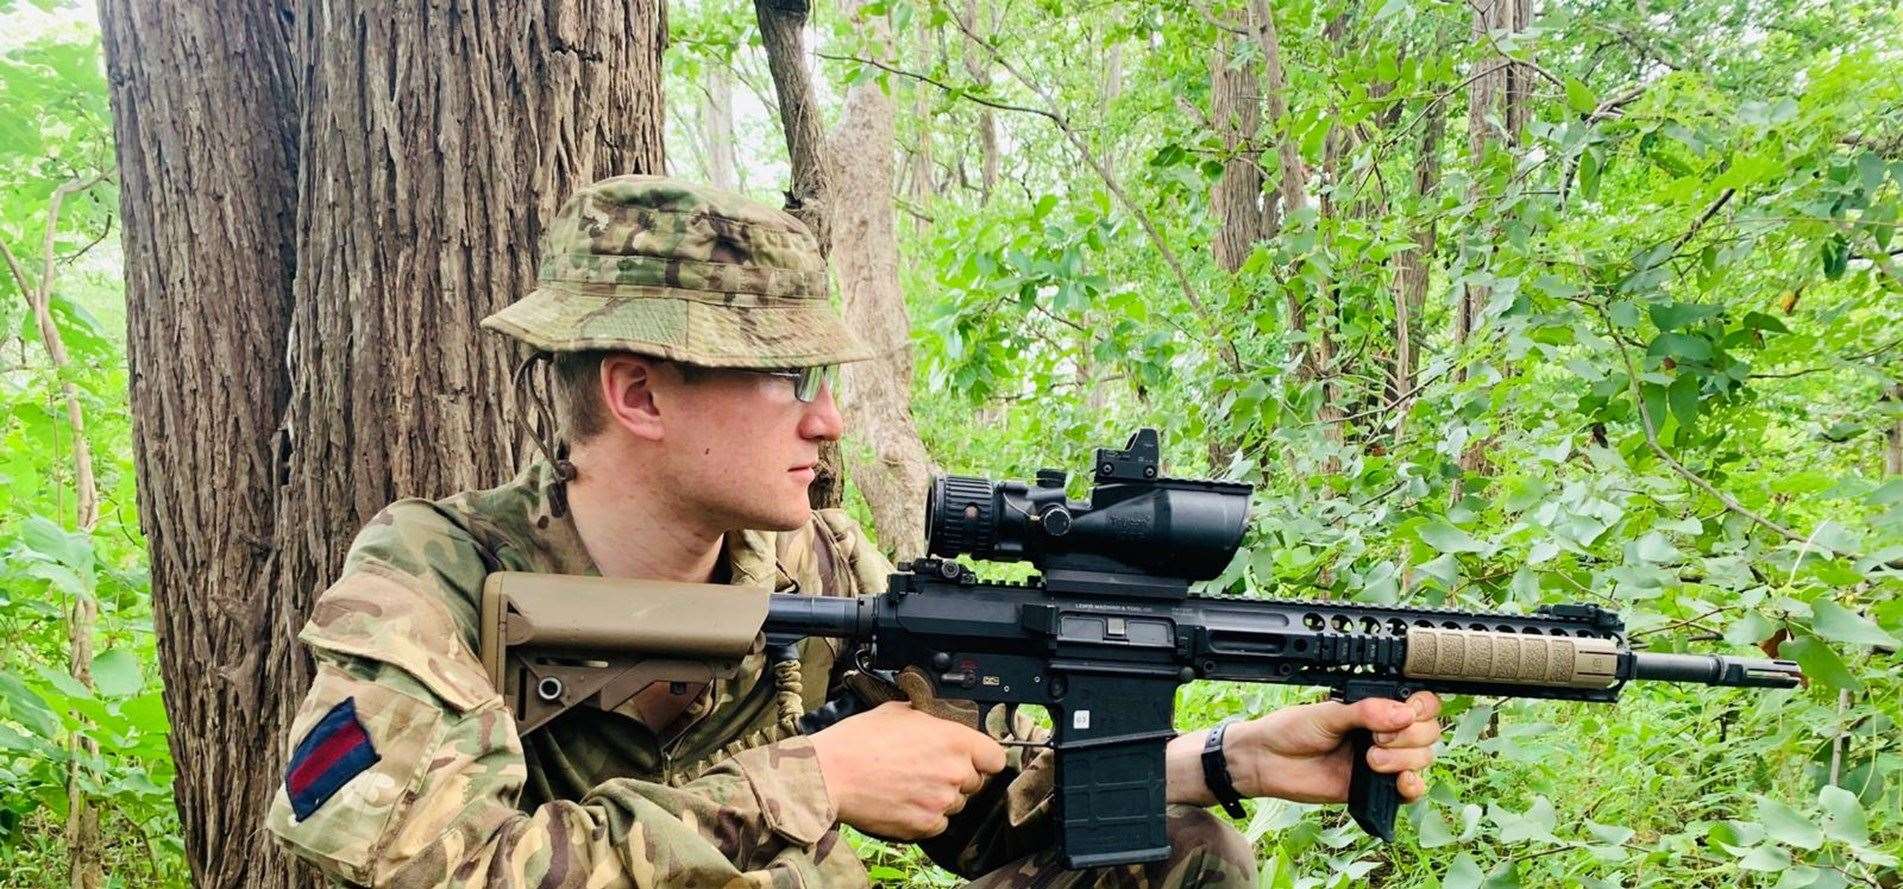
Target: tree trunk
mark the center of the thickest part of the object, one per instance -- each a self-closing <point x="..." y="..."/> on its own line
<point x="1504" y="90"/>
<point x="717" y="128"/>
<point x="877" y="393"/>
<point x="1412" y="271"/>
<point x="782" y="35"/>
<point x="978" y="68"/>
<point x="430" y="150"/>
<point x="920" y="187"/>
<point x="1893" y="446"/>
<point x="782" y="23"/>
<point x="1294" y="171"/>
<point x="208" y="240"/>
<point x="1107" y="92"/>
<point x="1236" y="199"/>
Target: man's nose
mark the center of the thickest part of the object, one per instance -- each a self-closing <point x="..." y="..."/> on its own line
<point x="821" y="419"/>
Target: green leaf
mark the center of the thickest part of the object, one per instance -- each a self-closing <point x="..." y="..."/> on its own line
<point x="1655" y="548"/>
<point x="1819" y="662"/>
<point x="1761" y="321"/>
<point x="1579" y="98"/>
<point x="1798" y="877"/>
<point x="1447" y="538"/>
<point x="1433" y="831"/>
<point x="1537" y="823"/>
<point x="1680" y="346"/>
<point x="1783" y="824"/>
<point x="1839" y="624"/>
<point x="1766" y="859"/>
<point x="1835" y="257"/>
<point x="1462" y="873"/>
<point x="1670" y="315"/>
<point x="50" y="540"/>
<point x="27" y="707"/>
<point x="1625" y="313"/>
<point x="1750" y="629"/>
<point x="116" y="673"/>
<point x="1590" y="170"/>
<point x="1682" y="395"/>
<point x="65" y="684"/>
<point x="1609" y="834"/>
<point x="1843" y="816"/>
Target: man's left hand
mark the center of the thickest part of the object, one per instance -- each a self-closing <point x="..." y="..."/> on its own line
<point x="1302" y="753"/>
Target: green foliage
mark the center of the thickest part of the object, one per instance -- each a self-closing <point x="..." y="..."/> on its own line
<point x="1695" y="236"/>
<point x="57" y="131"/>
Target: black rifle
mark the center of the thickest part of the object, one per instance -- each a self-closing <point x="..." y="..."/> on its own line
<point x="1109" y="631"/>
<point x="1101" y="640"/>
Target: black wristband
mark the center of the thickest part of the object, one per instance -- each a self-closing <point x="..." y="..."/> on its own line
<point x="1216" y="771"/>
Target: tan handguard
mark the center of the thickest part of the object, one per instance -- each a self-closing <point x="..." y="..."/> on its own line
<point x="552" y="642"/>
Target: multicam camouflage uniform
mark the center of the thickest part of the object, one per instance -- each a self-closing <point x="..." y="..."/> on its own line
<point x="406" y="769"/>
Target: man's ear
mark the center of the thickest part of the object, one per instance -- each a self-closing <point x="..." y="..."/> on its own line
<point x="627" y="394"/>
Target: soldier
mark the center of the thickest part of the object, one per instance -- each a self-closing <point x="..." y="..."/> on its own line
<point x="692" y="347"/>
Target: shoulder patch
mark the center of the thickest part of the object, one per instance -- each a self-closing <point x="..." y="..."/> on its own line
<point x="335" y="750"/>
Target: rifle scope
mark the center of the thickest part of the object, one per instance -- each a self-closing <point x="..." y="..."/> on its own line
<point x="1135" y="522"/>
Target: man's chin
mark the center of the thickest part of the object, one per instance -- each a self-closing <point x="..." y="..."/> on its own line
<point x="790" y="520"/>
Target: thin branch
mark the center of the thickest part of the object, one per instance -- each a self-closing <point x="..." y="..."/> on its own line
<point x="1064" y="321"/>
<point x="1716" y="205"/>
<point x="926" y="78"/>
<point x="1227" y="349"/>
<point x="19" y="274"/>
<point x="1698" y="481"/>
<point x="70" y="258"/>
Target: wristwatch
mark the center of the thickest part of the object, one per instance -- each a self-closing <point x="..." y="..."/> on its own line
<point x="1216" y="771"/>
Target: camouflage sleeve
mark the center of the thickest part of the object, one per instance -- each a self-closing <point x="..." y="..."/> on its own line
<point x="1010" y="816"/>
<point x="405" y="769"/>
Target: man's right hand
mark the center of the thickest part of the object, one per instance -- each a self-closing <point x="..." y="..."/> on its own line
<point x="898" y="773"/>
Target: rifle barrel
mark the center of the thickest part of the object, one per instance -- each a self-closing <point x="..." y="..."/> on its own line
<point x="1712" y="669"/>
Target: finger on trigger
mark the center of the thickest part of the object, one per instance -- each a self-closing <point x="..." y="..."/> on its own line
<point x="987" y="755"/>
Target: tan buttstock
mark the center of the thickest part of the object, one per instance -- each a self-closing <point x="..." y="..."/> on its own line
<point x="553" y="641"/>
<point x="1488" y="656"/>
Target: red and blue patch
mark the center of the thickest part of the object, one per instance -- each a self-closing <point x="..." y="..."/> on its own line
<point x="335" y="750"/>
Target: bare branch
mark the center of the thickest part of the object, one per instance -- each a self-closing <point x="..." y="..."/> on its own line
<point x="926" y="78"/>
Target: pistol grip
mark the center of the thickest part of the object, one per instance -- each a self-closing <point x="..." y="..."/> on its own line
<point x="1373" y="797"/>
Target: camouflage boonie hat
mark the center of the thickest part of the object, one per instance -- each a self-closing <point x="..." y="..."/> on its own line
<point x="661" y="267"/>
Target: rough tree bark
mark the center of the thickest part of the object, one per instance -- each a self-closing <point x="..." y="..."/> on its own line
<point x="1316" y="356"/>
<point x="1893" y="445"/>
<point x="1236" y="199"/>
<point x="408" y="158"/>
<point x="209" y="257"/>
<point x="920" y="187"/>
<point x="782" y="26"/>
